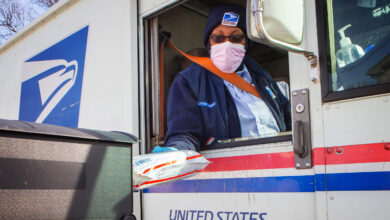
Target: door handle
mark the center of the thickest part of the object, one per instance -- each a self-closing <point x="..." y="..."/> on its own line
<point x="301" y="129"/>
<point x="299" y="137"/>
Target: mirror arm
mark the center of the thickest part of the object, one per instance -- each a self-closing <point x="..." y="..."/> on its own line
<point x="257" y="10"/>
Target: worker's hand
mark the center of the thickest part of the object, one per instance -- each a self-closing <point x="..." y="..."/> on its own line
<point x="159" y="149"/>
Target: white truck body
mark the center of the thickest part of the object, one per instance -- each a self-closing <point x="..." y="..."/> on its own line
<point x="350" y="174"/>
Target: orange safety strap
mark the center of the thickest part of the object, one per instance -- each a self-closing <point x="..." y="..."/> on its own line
<point x="205" y="62"/>
<point x="234" y="79"/>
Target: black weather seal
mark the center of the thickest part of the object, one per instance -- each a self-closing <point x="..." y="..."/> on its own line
<point x="233" y="143"/>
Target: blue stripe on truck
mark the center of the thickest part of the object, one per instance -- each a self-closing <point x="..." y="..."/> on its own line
<point x="257" y="184"/>
<point x="353" y="181"/>
<point x="319" y="182"/>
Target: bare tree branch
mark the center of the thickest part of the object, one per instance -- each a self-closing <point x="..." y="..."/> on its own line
<point x="11" y="15"/>
<point x="15" y="14"/>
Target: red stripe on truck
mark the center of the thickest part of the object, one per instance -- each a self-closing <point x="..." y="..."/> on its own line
<point x="363" y="153"/>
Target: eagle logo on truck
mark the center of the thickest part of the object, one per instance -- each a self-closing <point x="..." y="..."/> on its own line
<point x="52" y="82"/>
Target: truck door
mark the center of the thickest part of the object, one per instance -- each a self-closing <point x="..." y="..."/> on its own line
<point x="249" y="178"/>
<point x="355" y="72"/>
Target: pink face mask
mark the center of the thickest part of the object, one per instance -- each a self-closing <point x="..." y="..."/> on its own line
<point x="227" y="56"/>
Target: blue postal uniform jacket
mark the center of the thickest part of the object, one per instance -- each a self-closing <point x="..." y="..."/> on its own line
<point x="200" y="106"/>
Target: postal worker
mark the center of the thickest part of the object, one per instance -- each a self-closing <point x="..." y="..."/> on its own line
<point x="203" y="108"/>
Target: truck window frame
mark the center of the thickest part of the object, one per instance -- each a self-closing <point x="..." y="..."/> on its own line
<point x="324" y="60"/>
<point x="152" y="98"/>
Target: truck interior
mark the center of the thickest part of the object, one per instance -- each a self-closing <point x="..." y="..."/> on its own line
<point x="366" y="24"/>
<point x="185" y="22"/>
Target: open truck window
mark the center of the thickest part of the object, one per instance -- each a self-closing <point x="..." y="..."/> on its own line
<point x="358" y="48"/>
<point x="185" y="23"/>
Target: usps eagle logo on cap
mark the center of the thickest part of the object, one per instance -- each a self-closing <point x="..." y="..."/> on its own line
<point x="230" y="19"/>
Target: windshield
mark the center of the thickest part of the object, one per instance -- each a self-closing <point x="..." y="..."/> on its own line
<point x="359" y="36"/>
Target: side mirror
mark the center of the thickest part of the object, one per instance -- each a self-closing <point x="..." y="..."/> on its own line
<point x="278" y="23"/>
<point x="276" y="20"/>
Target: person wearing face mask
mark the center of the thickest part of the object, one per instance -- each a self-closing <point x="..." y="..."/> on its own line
<point x="203" y="108"/>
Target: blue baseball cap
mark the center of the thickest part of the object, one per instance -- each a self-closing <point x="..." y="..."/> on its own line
<point x="225" y="14"/>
